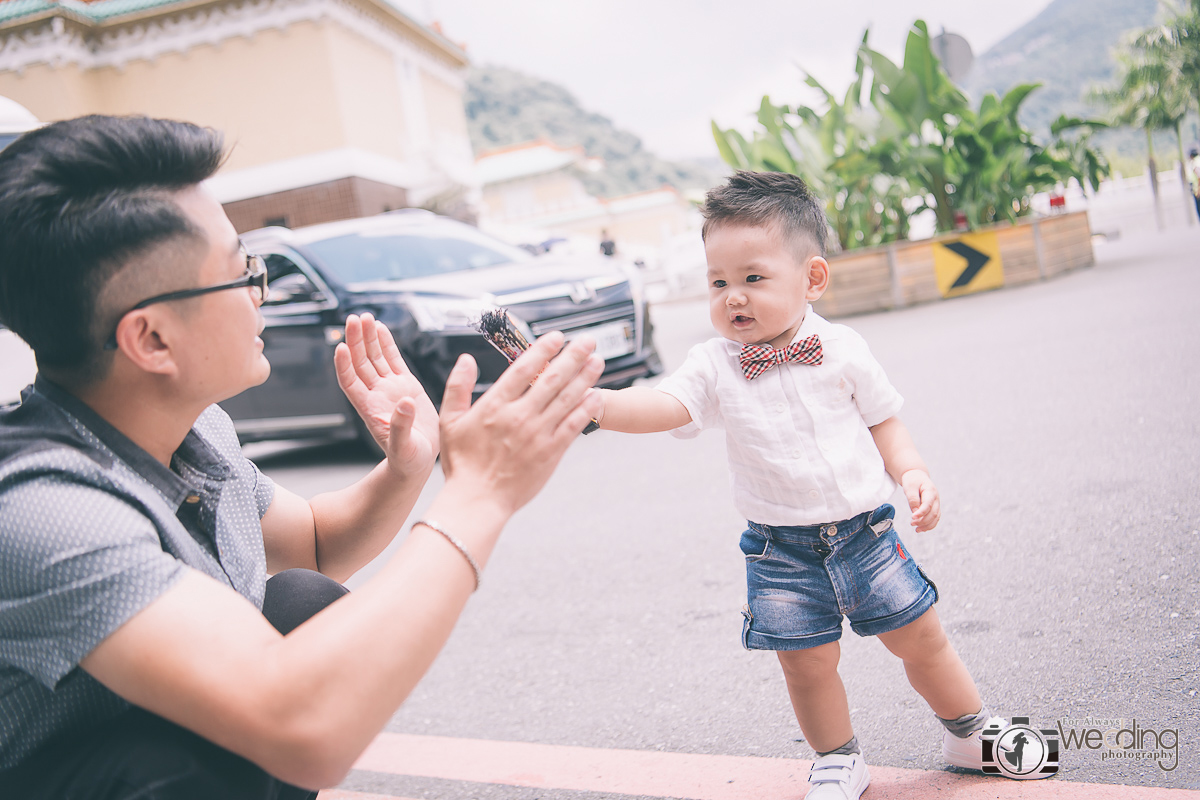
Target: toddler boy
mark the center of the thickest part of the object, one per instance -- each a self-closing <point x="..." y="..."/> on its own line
<point x="815" y="450"/>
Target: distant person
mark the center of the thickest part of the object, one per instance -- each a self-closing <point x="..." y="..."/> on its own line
<point x="1194" y="176"/>
<point x="815" y="450"/>
<point x="143" y="652"/>
<point x="607" y="246"/>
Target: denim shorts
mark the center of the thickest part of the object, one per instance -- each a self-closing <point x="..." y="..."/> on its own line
<point x="801" y="580"/>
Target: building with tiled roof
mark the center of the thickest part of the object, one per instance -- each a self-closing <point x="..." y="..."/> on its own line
<point x="534" y="191"/>
<point x="15" y="119"/>
<point x="333" y="108"/>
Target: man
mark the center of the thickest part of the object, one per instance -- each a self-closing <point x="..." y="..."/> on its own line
<point x="607" y="246"/>
<point x="135" y="539"/>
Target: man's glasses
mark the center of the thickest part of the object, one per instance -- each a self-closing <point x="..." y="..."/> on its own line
<point x="256" y="278"/>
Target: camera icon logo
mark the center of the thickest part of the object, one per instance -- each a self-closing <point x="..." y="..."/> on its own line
<point x="1020" y="751"/>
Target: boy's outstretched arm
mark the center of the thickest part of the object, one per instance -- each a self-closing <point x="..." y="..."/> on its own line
<point x="904" y="464"/>
<point x="639" y="409"/>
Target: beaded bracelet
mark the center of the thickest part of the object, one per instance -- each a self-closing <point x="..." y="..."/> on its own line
<point x="462" y="548"/>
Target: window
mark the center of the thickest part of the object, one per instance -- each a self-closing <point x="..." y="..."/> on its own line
<point x="287" y="283"/>
<point x="395" y="256"/>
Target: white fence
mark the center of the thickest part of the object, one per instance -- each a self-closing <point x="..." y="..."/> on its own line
<point x="1126" y="205"/>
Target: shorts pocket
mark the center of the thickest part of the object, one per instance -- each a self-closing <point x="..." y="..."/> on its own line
<point x="880" y="521"/>
<point x="755" y="545"/>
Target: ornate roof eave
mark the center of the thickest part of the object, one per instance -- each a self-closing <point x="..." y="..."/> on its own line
<point x="34" y="19"/>
<point x="143" y="14"/>
<point x="427" y="36"/>
<point x="66" y="12"/>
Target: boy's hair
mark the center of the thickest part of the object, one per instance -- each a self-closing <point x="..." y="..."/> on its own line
<point x="78" y="200"/>
<point x="768" y="199"/>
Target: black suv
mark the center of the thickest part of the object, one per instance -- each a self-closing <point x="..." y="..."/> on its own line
<point x="428" y="278"/>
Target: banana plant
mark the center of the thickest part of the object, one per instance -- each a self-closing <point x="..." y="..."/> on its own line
<point x="978" y="163"/>
<point x="915" y="144"/>
<point x="836" y="149"/>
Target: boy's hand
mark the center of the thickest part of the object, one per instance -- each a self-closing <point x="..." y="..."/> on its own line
<point x="602" y="394"/>
<point x="923" y="499"/>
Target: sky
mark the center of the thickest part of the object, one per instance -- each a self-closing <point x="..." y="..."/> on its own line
<point x="663" y="69"/>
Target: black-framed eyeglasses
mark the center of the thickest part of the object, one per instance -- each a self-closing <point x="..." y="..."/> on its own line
<point x="256" y="278"/>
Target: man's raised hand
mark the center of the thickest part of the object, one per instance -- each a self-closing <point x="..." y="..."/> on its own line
<point x="512" y="438"/>
<point x="388" y="397"/>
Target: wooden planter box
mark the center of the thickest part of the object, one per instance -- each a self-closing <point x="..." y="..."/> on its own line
<point x="906" y="273"/>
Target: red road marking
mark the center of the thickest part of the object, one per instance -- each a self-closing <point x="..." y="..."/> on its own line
<point x="342" y="794"/>
<point x="686" y="775"/>
<point x="584" y="769"/>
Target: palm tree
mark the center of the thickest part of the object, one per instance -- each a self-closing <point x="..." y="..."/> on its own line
<point x="1183" y="34"/>
<point x="1150" y="94"/>
<point x="1176" y="43"/>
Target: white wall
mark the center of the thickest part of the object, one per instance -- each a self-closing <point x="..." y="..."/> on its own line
<point x="17" y="367"/>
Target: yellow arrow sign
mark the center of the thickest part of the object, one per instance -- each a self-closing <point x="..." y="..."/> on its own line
<point x="970" y="263"/>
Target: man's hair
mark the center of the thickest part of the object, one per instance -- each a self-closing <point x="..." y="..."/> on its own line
<point x="770" y="200"/>
<point x="78" y="200"/>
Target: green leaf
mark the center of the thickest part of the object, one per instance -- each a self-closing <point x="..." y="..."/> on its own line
<point x="771" y="154"/>
<point x="816" y="84"/>
<point x="769" y="116"/>
<point x="731" y="155"/>
<point x="1016" y="95"/>
<point x="1065" y="123"/>
<point x="919" y="60"/>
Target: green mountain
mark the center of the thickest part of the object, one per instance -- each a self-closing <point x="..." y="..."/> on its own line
<point x="1068" y="48"/>
<point x="505" y="107"/>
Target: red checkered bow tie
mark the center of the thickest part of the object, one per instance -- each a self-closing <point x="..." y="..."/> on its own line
<point x="758" y="358"/>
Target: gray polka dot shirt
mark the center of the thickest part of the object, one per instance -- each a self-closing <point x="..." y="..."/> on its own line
<point x="92" y="530"/>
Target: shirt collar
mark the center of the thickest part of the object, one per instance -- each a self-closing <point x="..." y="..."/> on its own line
<point x="812" y="324"/>
<point x="194" y="450"/>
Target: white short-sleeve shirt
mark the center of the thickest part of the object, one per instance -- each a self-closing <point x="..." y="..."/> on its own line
<point x="798" y="437"/>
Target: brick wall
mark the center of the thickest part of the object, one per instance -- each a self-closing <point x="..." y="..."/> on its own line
<point x="345" y="198"/>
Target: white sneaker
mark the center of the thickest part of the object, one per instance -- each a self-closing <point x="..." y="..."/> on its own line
<point x="838" y="777"/>
<point x="968" y="752"/>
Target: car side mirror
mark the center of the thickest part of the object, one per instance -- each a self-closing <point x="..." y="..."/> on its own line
<point x="293" y="288"/>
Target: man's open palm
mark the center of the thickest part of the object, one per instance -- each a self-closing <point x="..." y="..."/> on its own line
<point x="385" y="393"/>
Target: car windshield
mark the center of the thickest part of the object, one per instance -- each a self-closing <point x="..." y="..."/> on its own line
<point x="392" y="255"/>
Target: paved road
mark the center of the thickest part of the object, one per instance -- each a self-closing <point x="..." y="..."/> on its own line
<point x="1061" y="421"/>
